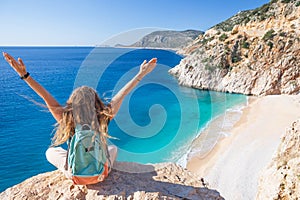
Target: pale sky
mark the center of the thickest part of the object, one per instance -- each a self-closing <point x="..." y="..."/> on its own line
<point x="91" y="22"/>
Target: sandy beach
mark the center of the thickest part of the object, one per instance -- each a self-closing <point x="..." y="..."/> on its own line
<point x="234" y="165"/>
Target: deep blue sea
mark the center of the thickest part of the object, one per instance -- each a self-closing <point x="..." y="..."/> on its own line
<point x="156" y="122"/>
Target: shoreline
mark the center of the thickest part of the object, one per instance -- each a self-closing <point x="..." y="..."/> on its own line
<point x="196" y="157"/>
<point x="213" y="132"/>
<point x="234" y="164"/>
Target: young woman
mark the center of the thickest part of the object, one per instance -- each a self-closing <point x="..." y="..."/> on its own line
<point x="83" y="107"/>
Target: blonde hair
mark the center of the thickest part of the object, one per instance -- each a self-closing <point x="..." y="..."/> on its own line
<point x="84" y="107"/>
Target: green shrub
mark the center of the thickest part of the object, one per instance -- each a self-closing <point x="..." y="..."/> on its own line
<point x="282" y="34"/>
<point x="210" y="68"/>
<point x="269" y="35"/>
<point x="265" y="8"/>
<point x="235" y="59"/>
<point x="245" y="45"/>
<point x="256" y="11"/>
<point x="227" y="49"/>
<point x="298" y="4"/>
<point x="286" y="1"/>
<point x="211" y="38"/>
<point x="205" y="60"/>
<point x="246" y="20"/>
<point x="223" y="37"/>
<point x="204" y="41"/>
<point x="270" y="44"/>
<point x="263" y="17"/>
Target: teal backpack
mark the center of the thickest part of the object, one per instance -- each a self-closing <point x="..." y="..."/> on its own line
<point x="87" y="156"/>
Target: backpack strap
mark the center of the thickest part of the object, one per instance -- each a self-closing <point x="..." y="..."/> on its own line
<point x="66" y="163"/>
<point x="106" y="150"/>
<point x="108" y="158"/>
<point x="69" y="143"/>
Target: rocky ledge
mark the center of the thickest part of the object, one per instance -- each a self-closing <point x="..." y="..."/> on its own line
<point x="126" y="181"/>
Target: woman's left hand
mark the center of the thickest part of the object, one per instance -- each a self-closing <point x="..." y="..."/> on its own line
<point x="18" y="66"/>
<point x="147" y="67"/>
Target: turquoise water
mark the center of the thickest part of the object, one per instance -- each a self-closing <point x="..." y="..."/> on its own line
<point x="155" y="123"/>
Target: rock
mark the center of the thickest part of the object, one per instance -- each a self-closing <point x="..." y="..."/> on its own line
<point x="260" y="55"/>
<point x="126" y="181"/>
<point x="281" y="179"/>
<point x="235" y="29"/>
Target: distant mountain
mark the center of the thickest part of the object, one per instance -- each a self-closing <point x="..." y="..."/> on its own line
<point x="167" y="39"/>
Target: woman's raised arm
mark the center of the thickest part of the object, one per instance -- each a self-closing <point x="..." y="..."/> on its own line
<point x="145" y="68"/>
<point x="54" y="107"/>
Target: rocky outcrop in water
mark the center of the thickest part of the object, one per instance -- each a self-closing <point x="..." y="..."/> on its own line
<point x="281" y="179"/>
<point x="126" y="181"/>
<point x="256" y="52"/>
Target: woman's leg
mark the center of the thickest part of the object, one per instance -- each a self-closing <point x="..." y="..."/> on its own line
<point x="113" y="151"/>
<point x="57" y="157"/>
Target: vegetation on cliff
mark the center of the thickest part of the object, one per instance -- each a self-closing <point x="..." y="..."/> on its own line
<point x="259" y="14"/>
<point x="256" y="52"/>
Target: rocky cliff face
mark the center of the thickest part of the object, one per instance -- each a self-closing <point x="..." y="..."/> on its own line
<point x="168" y="39"/>
<point x="281" y="180"/>
<point x="256" y="52"/>
<point x="126" y="181"/>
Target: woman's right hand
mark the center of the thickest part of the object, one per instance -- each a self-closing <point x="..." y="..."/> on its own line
<point x="18" y="66"/>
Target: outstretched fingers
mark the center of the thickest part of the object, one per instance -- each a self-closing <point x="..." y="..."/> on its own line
<point x="18" y="66"/>
<point x="22" y="65"/>
<point x="145" y="61"/>
<point x="5" y="55"/>
<point x="153" y="60"/>
<point x="21" y="61"/>
<point x="9" y="58"/>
